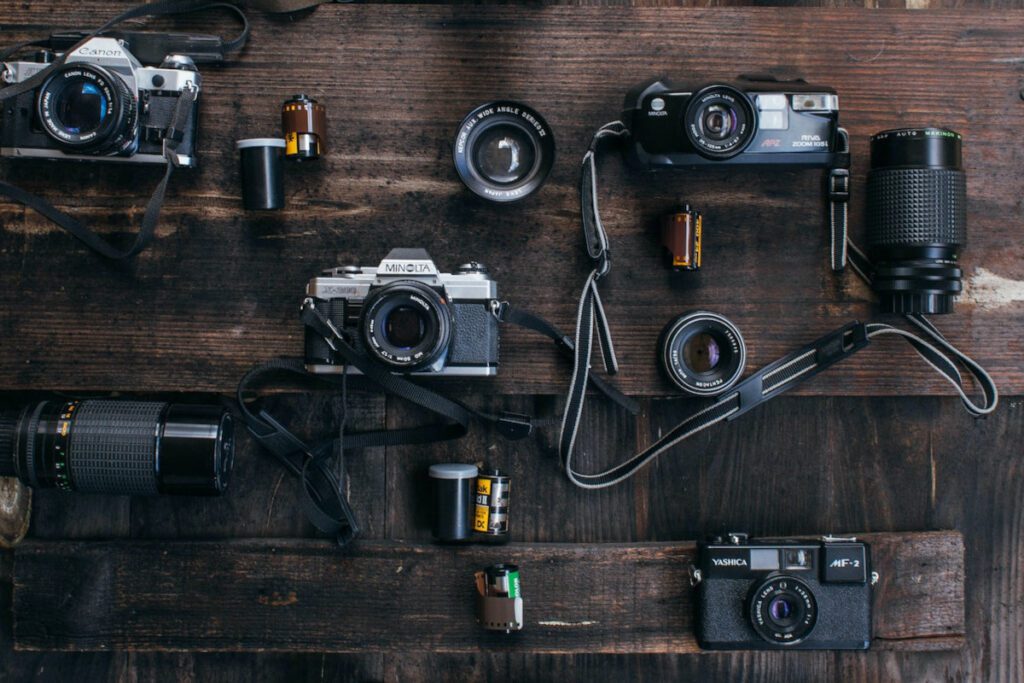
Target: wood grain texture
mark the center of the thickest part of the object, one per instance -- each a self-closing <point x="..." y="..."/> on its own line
<point x="219" y="289"/>
<point x="281" y="595"/>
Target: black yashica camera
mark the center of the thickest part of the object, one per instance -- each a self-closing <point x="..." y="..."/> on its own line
<point x="757" y="120"/>
<point x="783" y="594"/>
<point x="102" y="104"/>
<point x="409" y="317"/>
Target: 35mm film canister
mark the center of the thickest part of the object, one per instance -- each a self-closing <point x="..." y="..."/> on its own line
<point x="453" y="495"/>
<point x="490" y="518"/>
<point x="304" y="122"/>
<point x="262" y="177"/>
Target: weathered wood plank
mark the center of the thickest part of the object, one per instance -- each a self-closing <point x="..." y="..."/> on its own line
<point x="219" y="289"/>
<point x="289" y="595"/>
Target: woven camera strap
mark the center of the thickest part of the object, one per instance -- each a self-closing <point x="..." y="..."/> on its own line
<point x="172" y="136"/>
<point x="765" y="384"/>
<point x="319" y="466"/>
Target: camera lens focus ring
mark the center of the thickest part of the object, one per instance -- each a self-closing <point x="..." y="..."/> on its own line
<point x="85" y="108"/>
<point x="783" y="610"/>
<point x="703" y="353"/>
<point x="908" y="206"/>
<point x="406" y="325"/>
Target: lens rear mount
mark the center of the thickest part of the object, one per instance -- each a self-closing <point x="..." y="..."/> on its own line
<point x="406" y="325"/>
<point x="504" y="151"/>
<point x="720" y="122"/>
<point x="703" y="353"/>
<point x="85" y="108"/>
<point x="783" y="610"/>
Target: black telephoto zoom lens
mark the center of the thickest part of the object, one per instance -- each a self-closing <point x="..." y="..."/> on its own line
<point x="119" y="447"/>
<point x="916" y="218"/>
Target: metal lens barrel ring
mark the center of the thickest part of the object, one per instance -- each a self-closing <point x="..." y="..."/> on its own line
<point x="720" y="122"/>
<point x="407" y="325"/>
<point x="504" y="151"/>
<point x="85" y="108"/>
<point x="783" y="610"/>
<point x="703" y="353"/>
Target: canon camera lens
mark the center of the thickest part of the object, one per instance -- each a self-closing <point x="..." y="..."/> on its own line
<point x="119" y="447"/>
<point x="916" y="218"/>
<point x="87" y="109"/>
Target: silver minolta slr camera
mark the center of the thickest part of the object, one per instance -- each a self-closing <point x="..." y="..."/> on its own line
<point x="783" y="594"/>
<point x="100" y="104"/>
<point x="409" y="317"/>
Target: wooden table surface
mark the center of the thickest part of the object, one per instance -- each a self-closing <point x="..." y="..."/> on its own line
<point x="876" y="444"/>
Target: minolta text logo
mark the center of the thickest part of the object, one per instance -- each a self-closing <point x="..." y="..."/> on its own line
<point x="728" y="562"/>
<point x="410" y="268"/>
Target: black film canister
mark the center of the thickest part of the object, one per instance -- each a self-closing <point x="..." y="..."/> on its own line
<point x="453" y="495"/>
<point x="262" y="177"/>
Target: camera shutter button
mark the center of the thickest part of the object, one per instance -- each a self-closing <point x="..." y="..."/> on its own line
<point x="472" y="267"/>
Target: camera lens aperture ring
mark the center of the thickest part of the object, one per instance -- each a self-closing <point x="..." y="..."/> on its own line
<point x="783" y="610"/>
<point x="85" y="108"/>
<point x="504" y="151"/>
<point x="703" y="353"/>
<point x="720" y="122"/>
<point x="406" y="325"/>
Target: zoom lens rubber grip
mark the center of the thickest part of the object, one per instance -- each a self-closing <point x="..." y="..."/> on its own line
<point x="113" y="447"/>
<point x="916" y="206"/>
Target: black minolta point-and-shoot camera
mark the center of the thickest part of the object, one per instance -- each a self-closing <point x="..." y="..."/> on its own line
<point x="783" y="594"/>
<point x="409" y="317"/>
<point x="754" y="121"/>
<point x="101" y="104"/>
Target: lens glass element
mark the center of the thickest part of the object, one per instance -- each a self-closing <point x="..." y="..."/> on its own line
<point x="404" y="327"/>
<point x="702" y="352"/>
<point x="80" y="107"/>
<point x="718" y="121"/>
<point x="504" y="154"/>
<point x="781" y="610"/>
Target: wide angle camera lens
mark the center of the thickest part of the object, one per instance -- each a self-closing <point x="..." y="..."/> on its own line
<point x="783" y="610"/>
<point x="720" y="122"/>
<point x="916" y="218"/>
<point x="504" y="151"/>
<point x="406" y="325"/>
<point x="119" y="447"/>
<point x="87" y="109"/>
<point x="702" y="353"/>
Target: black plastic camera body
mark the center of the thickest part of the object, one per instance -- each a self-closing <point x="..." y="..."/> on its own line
<point x="751" y="122"/>
<point x="783" y="594"/>
<point x="409" y="317"/>
<point x="101" y="104"/>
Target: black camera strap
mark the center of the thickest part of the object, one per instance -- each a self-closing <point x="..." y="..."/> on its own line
<point x="324" y="500"/>
<point x="767" y="383"/>
<point x="172" y="136"/>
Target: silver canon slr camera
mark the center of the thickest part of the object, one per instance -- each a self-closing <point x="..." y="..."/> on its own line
<point x="409" y="317"/>
<point x="100" y="104"/>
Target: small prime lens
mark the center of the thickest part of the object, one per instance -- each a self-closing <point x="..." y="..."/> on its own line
<point x="783" y="610"/>
<point x="406" y="325"/>
<point x="720" y="122"/>
<point x="916" y="218"/>
<point x="703" y="353"/>
<point x="504" y="151"/>
<point x="86" y="108"/>
<point x="119" y="447"/>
